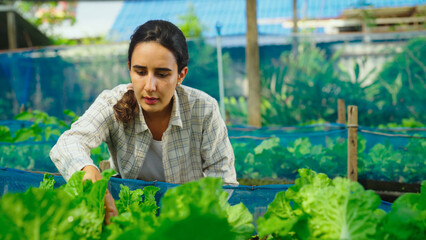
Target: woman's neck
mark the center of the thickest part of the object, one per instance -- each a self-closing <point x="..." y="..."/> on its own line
<point x="158" y="122"/>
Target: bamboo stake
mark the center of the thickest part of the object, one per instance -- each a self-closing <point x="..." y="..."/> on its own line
<point x="104" y="165"/>
<point x="341" y="112"/>
<point x="352" y="143"/>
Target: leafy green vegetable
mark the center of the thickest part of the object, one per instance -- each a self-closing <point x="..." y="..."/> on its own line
<point x="48" y="182"/>
<point x="407" y="219"/>
<point x="195" y="210"/>
<point x="201" y="209"/>
<point x="73" y="211"/>
<point x="319" y="208"/>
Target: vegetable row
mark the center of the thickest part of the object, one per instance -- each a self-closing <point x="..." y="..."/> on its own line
<point x="315" y="207"/>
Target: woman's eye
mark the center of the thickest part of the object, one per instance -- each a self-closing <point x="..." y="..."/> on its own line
<point x="162" y="75"/>
<point x="142" y="73"/>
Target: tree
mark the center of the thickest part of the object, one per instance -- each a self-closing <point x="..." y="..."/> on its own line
<point x="47" y="14"/>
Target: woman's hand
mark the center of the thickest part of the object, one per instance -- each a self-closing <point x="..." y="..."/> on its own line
<point x="93" y="174"/>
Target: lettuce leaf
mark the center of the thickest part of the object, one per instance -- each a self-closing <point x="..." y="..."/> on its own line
<point x="199" y="210"/>
<point x="137" y="217"/>
<point x="317" y="207"/>
<point x="37" y="214"/>
<point x="407" y="219"/>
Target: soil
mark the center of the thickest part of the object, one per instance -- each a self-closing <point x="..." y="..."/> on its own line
<point x="264" y="181"/>
<point x="390" y="191"/>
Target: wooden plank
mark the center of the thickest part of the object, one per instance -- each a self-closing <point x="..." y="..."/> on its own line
<point x="352" y="143"/>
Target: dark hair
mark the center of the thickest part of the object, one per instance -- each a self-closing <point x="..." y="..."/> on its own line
<point x="170" y="37"/>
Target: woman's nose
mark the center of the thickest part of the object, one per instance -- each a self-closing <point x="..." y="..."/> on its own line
<point x="150" y="85"/>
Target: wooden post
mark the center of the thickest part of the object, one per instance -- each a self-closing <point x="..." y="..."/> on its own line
<point x="104" y="165"/>
<point x="11" y="30"/>
<point x="295" y="40"/>
<point x="352" y="143"/>
<point x="341" y="112"/>
<point x="252" y="63"/>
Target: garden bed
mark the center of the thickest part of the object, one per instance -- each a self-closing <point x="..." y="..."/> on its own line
<point x="390" y="191"/>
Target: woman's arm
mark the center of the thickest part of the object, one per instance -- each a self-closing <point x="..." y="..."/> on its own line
<point x="93" y="174"/>
<point x="216" y="149"/>
<point x="71" y="153"/>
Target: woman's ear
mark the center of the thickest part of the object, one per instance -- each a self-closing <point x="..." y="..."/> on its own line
<point x="182" y="75"/>
<point x="128" y="65"/>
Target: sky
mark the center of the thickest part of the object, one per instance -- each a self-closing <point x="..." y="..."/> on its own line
<point x="93" y="18"/>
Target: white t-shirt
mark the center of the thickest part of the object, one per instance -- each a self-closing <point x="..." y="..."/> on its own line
<point x="152" y="169"/>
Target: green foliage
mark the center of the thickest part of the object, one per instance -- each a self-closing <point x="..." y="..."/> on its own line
<point x="319" y="208"/>
<point x="44" y="127"/>
<point x="384" y="162"/>
<point x="315" y="207"/>
<point x="27" y="156"/>
<point x="406" y="220"/>
<point x="190" y="24"/>
<point x="47" y="15"/>
<point x="196" y="210"/>
<point x="300" y="89"/>
<point x="274" y="159"/>
<point x="48" y="182"/>
<point x="401" y="84"/>
<point x="28" y="148"/>
<point x="405" y="123"/>
<point x="202" y="67"/>
<point x="73" y="211"/>
<point x="236" y="110"/>
<point x="206" y="207"/>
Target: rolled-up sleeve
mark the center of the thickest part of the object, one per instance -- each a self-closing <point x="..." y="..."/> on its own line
<point x="72" y="150"/>
<point x="216" y="149"/>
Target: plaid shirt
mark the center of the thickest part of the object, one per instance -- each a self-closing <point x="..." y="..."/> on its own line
<point x="195" y="144"/>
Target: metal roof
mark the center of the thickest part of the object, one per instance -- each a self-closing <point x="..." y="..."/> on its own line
<point x="231" y="14"/>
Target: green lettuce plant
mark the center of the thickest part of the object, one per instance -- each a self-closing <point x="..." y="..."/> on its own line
<point x="317" y="207"/>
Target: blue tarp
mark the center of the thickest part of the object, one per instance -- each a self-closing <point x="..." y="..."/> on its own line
<point x="255" y="198"/>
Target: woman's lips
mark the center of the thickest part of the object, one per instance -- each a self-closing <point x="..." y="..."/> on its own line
<point x="150" y="100"/>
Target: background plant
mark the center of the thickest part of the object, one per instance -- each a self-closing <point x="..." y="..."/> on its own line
<point x="304" y="88"/>
<point x="272" y="159"/>
<point x="28" y="147"/>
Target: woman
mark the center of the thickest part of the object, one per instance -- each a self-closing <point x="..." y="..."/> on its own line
<point x="156" y="129"/>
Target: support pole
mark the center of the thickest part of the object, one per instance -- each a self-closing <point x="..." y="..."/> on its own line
<point x="104" y="165"/>
<point x="11" y="30"/>
<point x="295" y="40"/>
<point x="341" y="112"/>
<point x="252" y="63"/>
<point x="220" y="72"/>
<point x="352" y="143"/>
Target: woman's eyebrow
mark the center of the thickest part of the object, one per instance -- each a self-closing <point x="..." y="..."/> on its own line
<point x="158" y="69"/>
<point x="164" y="69"/>
<point x="138" y="66"/>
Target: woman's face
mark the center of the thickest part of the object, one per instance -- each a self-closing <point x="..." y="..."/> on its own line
<point x="154" y="75"/>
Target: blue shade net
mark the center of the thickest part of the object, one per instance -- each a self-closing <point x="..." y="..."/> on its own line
<point x="256" y="199"/>
<point x="272" y="155"/>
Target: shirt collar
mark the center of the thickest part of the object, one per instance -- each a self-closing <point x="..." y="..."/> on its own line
<point x="175" y="118"/>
